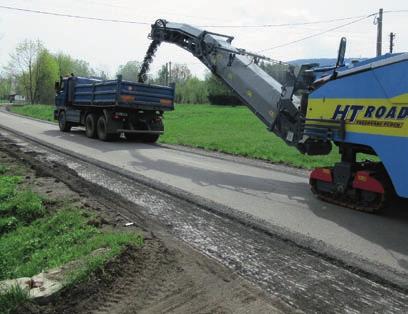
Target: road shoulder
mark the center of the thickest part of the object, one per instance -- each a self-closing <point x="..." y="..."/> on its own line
<point x="165" y="275"/>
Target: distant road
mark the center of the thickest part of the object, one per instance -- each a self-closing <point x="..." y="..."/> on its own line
<point x="275" y="197"/>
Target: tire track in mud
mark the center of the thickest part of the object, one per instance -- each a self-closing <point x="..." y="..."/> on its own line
<point x="153" y="276"/>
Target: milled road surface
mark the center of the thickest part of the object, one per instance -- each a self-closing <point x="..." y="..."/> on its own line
<point x="279" y="198"/>
<point x="305" y="281"/>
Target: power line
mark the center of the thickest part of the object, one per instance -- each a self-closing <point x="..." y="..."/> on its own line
<point x="74" y="16"/>
<point x="396" y="11"/>
<point x="146" y="23"/>
<point x="287" y="24"/>
<point x="359" y="17"/>
<point x="133" y="8"/>
<point x="319" y="33"/>
<point x="303" y="23"/>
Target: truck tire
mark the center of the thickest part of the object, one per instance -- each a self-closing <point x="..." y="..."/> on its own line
<point x="133" y="137"/>
<point x="143" y="138"/>
<point x="146" y="137"/>
<point x="64" y="125"/>
<point x="150" y="138"/>
<point x="102" y="130"/>
<point x="90" y="125"/>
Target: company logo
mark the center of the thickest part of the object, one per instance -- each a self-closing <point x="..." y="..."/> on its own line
<point x="372" y="115"/>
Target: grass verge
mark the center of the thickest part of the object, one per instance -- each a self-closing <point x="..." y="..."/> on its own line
<point x="34" y="238"/>
<point x="54" y="240"/>
<point x="233" y="130"/>
<point x="43" y="112"/>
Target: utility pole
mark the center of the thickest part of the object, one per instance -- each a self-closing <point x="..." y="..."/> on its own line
<point x="166" y="77"/>
<point x="392" y="37"/>
<point x="379" y="21"/>
<point x="170" y="72"/>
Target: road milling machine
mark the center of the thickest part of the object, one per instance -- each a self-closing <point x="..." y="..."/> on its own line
<point x="360" y="108"/>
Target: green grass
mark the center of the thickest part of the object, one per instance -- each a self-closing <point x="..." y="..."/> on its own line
<point x="3" y="169"/>
<point x="17" y="206"/>
<point x="25" y="206"/>
<point x="8" y="186"/>
<point x="10" y="300"/>
<point x="55" y="240"/>
<point x="32" y="239"/>
<point x="233" y="130"/>
<point x="43" y="112"/>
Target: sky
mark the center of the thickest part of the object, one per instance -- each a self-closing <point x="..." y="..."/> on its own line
<point x="107" y="45"/>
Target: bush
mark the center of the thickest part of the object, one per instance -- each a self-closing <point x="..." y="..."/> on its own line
<point x="224" y="100"/>
<point x="192" y="91"/>
<point x="3" y="169"/>
<point x="219" y="93"/>
<point x="8" y="224"/>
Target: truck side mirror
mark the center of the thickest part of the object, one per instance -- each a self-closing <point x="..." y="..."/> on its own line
<point x="57" y="86"/>
<point x="342" y="52"/>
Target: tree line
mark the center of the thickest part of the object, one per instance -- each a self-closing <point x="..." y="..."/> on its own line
<point x="33" y="70"/>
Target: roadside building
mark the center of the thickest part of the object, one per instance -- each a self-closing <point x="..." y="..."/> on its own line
<point x="15" y="98"/>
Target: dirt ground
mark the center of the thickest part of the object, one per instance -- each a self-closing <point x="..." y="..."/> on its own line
<point x="164" y="276"/>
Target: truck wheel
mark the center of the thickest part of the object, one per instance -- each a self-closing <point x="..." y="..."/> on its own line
<point x="102" y="131"/>
<point x="90" y="125"/>
<point x="150" y="138"/>
<point x="133" y="137"/>
<point x="143" y="138"/>
<point x="64" y="125"/>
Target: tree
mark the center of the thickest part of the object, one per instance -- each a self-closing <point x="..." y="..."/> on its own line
<point x="33" y="70"/>
<point x="23" y="66"/>
<point x="101" y="73"/>
<point x="179" y="74"/>
<point x="219" y="93"/>
<point x="130" y="70"/>
<point x="67" y="65"/>
<point x="279" y="71"/>
<point x="47" y="75"/>
<point x="192" y="91"/>
<point x="5" y="86"/>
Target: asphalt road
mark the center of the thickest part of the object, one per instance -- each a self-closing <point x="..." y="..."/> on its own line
<point x="281" y="199"/>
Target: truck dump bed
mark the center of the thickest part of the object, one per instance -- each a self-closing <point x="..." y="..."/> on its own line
<point x="110" y="93"/>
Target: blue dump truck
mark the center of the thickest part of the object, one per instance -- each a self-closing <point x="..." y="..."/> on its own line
<point x="110" y="108"/>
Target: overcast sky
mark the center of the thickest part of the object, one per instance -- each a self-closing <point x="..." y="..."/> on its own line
<point x="107" y="45"/>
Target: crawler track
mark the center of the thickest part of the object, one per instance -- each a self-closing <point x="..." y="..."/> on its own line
<point x="369" y="207"/>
